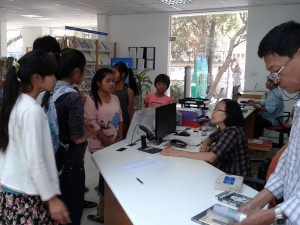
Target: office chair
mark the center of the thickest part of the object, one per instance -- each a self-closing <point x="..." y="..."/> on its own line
<point x="284" y="127"/>
<point x="265" y="170"/>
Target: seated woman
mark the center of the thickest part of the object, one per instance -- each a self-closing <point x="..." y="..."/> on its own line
<point x="227" y="147"/>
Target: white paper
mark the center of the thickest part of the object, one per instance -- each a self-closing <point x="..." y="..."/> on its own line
<point x="140" y="53"/>
<point x="133" y="63"/>
<point x="141" y="64"/>
<point x="132" y="53"/>
<point x="150" y="53"/>
<point x="142" y="165"/>
<point x="150" y="64"/>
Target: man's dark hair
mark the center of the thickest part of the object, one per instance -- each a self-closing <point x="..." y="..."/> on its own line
<point x="283" y="40"/>
<point x="47" y="43"/>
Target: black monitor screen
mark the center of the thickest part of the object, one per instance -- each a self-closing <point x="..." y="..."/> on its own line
<point x="165" y="121"/>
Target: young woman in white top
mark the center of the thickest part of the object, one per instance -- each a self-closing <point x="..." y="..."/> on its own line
<point x="28" y="175"/>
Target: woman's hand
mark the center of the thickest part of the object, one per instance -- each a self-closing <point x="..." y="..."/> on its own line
<point x="170" y="151"/>
<point x="58" y="211"/>
<point x="204" y="148"/>
<point x="89" y="130"/>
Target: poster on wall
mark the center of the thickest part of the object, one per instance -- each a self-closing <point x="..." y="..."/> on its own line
<point x="142" y="58"/>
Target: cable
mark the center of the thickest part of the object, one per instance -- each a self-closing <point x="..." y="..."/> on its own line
<point x="132" y="144"/>
<point x="288" y="98"/>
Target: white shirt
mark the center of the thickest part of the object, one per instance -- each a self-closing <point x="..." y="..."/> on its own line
<point x="285" y="181"/>
<point x="28" y="165"/>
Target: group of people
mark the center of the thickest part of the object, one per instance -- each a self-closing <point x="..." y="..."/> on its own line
<point x="33" y="193"/>
<point x="31" y="190"/>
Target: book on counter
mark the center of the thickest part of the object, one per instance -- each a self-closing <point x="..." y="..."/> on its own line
<point x="227" y="182"/>
<point x="218" y="214"/>
<point x="232" y="198"/>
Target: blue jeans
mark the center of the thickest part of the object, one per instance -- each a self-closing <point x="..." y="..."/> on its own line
<point x="72" y="183"/>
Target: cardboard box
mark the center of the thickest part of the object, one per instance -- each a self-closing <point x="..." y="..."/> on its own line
<point x="192" y="117"/>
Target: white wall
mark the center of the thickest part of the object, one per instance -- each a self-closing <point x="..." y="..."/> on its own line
<point x="146" y="30"/>
<point x="260" y="20"/>
<point x="3" y="39"/>
<point x="143" y="30"/>
<point x="31" y="33"/>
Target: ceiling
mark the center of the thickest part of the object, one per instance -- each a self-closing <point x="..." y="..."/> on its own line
<point x="60" y="13"/>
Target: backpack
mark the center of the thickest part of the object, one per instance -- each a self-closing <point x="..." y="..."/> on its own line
<point x="60" y="149"/>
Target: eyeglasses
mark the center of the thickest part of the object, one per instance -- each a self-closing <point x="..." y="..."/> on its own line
<point x="276" y="75"/>
<point x="218" y="110"/>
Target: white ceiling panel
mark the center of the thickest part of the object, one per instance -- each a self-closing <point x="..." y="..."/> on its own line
<point x="58" y="13"/>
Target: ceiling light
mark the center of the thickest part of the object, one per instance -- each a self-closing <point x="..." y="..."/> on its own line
<point x="32" y="16"/>
<point x="176" y="2"/>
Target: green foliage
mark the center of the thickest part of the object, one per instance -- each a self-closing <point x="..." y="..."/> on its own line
<point x="143" y="82"/>
<point x="176" y="90"/>
<point x="201" y="34"/>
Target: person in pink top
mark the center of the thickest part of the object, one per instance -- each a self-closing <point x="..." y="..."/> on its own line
<point x="153" y="100"/>
<point x="102" y="110"/>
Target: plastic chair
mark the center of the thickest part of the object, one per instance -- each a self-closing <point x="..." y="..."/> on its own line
<point x="265" y="170"/>
<point x="284" y="127"/>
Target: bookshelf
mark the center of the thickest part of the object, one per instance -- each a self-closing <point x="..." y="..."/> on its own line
<point x="97" y="53"/>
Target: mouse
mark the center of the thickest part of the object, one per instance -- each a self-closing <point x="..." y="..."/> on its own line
<point x="184" y="133"/>
<point x="178" y="143"/>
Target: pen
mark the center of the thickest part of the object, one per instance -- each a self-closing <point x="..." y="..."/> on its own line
<point x="140" y="181"/>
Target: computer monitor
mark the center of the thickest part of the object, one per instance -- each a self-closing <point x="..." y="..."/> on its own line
<point x="165" y="121"/>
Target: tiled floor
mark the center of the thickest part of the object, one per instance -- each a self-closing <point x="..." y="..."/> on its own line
<point x="91" y="181"/>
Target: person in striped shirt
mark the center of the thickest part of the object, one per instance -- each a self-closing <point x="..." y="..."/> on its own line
<point x="280" y="50"/>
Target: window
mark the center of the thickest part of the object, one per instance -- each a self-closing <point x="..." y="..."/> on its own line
<point x="209" y="44"/>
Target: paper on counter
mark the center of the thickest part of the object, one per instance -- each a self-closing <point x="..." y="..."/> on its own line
<point x="143" y="165"/>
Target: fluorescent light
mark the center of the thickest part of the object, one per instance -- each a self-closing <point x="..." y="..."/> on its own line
<point x="32" y="16"/>
<point x="176" y="2"/>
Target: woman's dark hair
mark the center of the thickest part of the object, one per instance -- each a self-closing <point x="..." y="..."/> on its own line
<point x="162" y="78"/>
<point x="97" y="78"/>
<point x="122" y="68"/>
<point x="234" y="114"/>
<point x="69" y="60"/>
<point x="18" y="80"/>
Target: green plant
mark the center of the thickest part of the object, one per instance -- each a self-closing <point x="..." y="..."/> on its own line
<point x="144" y="84"/>
<point x="176" y="90"/>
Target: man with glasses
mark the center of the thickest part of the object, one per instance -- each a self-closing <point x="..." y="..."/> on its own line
<point x="269" y="109"/>
<point x="280" y="49"/>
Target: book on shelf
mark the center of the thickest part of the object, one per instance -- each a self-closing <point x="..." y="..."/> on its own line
<point x="89" y="73"/>
<point x="260" y="142"/>
<point x="105" y="46"/>
<point x="104" y="59"/>
<point x="233" y="198"/>
<point x="227" y="182"/>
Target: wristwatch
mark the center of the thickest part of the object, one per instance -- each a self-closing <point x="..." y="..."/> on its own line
<point x="279" y="217"/>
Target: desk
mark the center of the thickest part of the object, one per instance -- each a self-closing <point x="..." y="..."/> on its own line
<point x="258" y="95"/>
<point x="249" y="123"/>
<point x="171" y="194"/>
